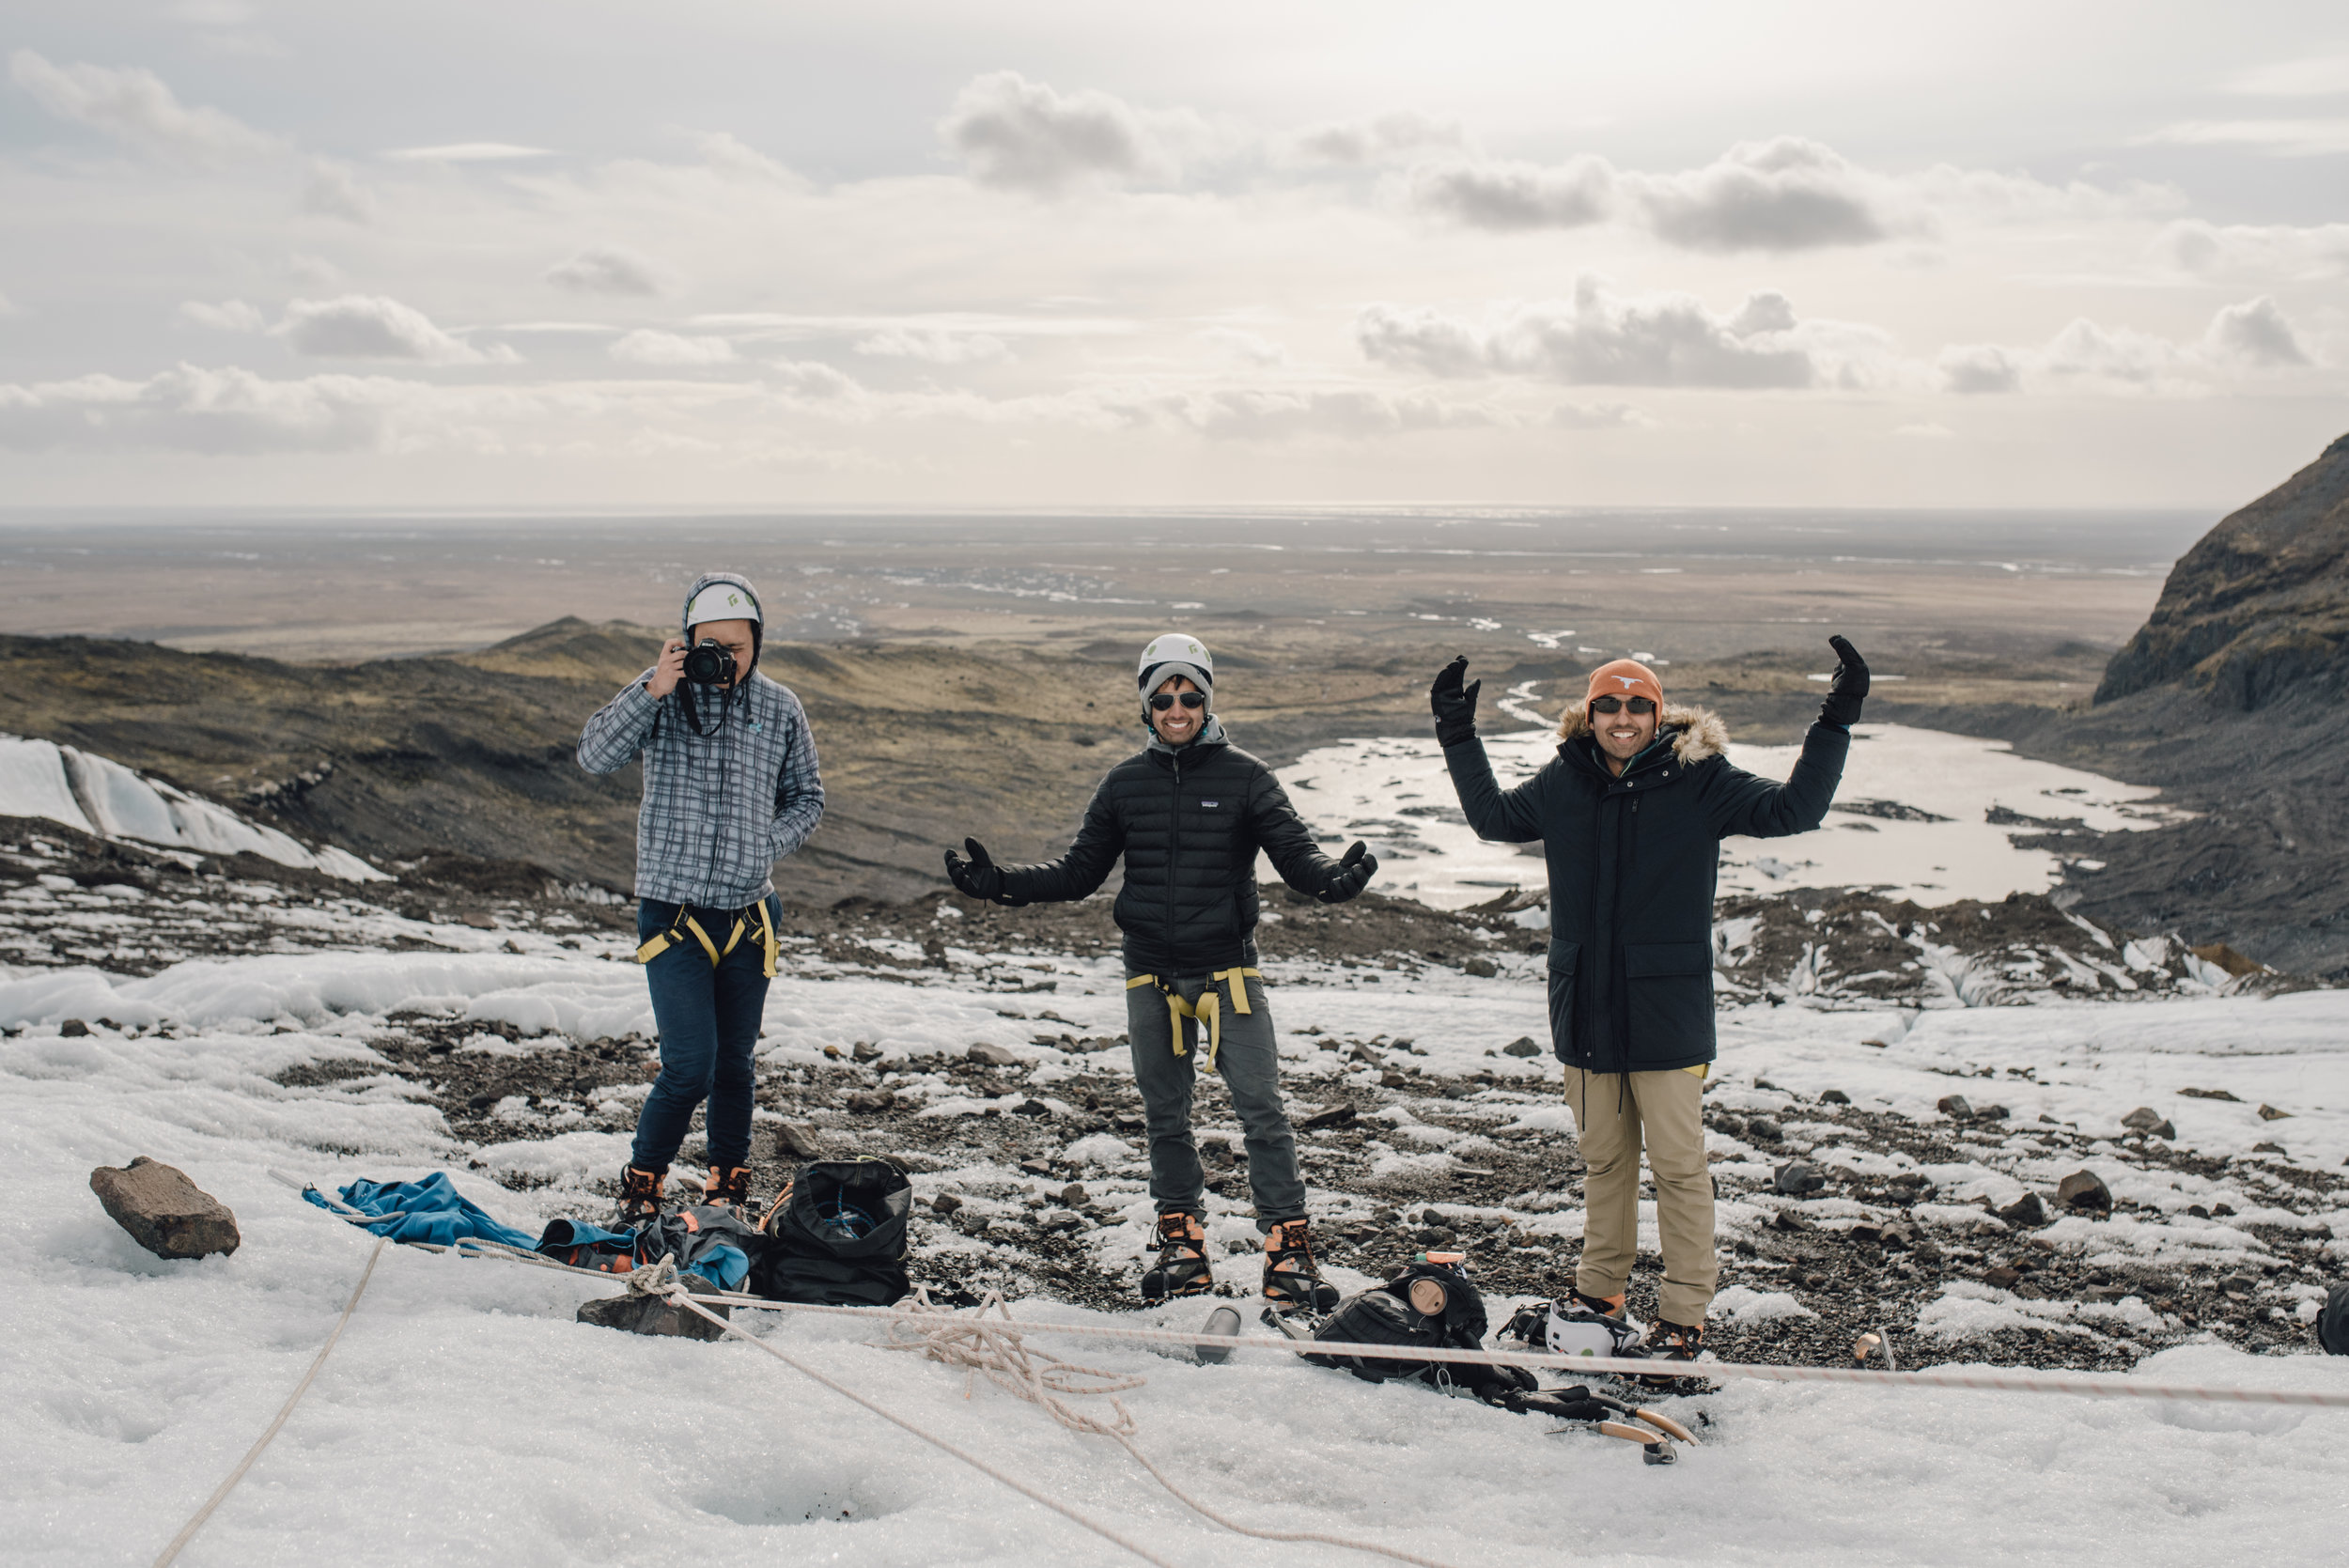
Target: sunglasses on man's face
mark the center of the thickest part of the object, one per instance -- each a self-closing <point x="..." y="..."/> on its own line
<point x="1616" y="705"/>
<point x="1162" y="701"/>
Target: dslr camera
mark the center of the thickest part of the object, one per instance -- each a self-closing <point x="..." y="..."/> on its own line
<point x="710" y="664"/>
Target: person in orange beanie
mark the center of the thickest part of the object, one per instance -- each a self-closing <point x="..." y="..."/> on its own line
<point x="1630" y="815"/>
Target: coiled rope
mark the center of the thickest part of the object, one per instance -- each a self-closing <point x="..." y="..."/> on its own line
<point x="187" y="1531"/>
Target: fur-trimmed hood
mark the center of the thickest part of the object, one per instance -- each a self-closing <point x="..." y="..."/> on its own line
<point x="1701" y="732"/>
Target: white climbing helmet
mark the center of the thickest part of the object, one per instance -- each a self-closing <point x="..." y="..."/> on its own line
<point x="1186" y="654"/>
<point x="1574" y="1331"/>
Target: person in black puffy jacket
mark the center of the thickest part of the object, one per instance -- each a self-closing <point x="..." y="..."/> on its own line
<point x="1189" y="813"/>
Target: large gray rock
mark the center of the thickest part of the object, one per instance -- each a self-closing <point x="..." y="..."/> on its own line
<point x="655" y="1315"/>
<point x="164" y="1211"/>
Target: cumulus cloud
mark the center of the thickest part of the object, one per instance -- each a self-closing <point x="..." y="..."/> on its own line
<point x="191" y="410"/>
<point x="1508" y="196"/>
<point x="1021" y="136"/>
<point x="2283" y="252"/>
<point x="1279" y="414"/>
<point x="2251" y="338"/>
<point x="2255" y="333"/>
<point x="730" y="155"/>
<point x="1600" y="340"/>
<point x="606" y="270"/>
<point x="647" y="347"/>
<point x="229" y="316"/>
<point x="370" y="326"/>
<point x="466" y="153"/>
<point x="1359" y="142"/>
<point x="1980" y="368"/>
<point x="135" y="108"/>
<point x="1783" y="194"/>
<point x="934" y="348"/>
<point x="335" y="191"/>
<point x="1596" y="416"/>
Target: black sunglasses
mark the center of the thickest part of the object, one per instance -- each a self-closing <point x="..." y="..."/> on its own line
<point x="1616" y="705"/>
<point x="1162" y="701"/>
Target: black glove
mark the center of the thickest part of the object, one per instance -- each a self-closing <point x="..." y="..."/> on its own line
<point x="1851" y="684"/>
<point x="1352" y="875"/>
<point x="978" y="876"/>
<point x="1454" y="705"/>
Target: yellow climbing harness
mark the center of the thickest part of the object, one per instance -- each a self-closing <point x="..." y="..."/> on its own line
<point x="685" y="925"/>
<point x="1210" y="1007"/>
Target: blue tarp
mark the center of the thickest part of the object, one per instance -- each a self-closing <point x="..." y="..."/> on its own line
<point x="432" y="1210"/>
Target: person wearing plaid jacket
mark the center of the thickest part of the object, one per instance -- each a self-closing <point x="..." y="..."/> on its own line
<point x="731" y="786"/>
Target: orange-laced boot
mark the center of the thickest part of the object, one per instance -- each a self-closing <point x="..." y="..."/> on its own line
<point x="1182" y="1266"/>
<point x="729" y="1185"/>
<point x="640" y="1195"/>
<point x="1292" y="1280"/>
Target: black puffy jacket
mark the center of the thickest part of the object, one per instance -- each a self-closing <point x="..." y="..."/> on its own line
<point x="1188" y="822"/>
<point x="1633" y="863"/>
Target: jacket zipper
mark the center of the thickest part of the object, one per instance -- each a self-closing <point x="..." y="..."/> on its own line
<point x="1173" y="847"/>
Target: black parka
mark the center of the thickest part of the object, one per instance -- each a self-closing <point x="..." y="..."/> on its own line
<point x="1633" y="863"/>
<point x="1190" y="822"/>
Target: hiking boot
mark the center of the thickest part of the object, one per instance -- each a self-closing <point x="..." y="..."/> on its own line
<point x="1672" y="1341"/>
<point x="729" y="1185"/>
<point x="1604" y="1306"/>
<point x="1292" y="1282"/>
<point x="640" y="1195"/>
<point x="1182" y="1266"/>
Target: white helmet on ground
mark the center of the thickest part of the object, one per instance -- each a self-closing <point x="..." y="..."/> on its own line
<point x="1574" y="1331"/>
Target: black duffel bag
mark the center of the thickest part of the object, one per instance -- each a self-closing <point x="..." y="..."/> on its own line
<point x="837" y="1236"/>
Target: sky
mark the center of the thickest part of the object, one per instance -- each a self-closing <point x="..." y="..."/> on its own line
<point x="926" y="252"/>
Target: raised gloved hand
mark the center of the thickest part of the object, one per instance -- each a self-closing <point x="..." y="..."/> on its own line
<point x="1454" y="705"/>
<point x="1850" y="685"/>
<point x="1352" y="875"/>
<point x="978" y="876"/>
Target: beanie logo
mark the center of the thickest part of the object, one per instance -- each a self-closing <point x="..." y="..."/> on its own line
<point x="1627" y="680"/>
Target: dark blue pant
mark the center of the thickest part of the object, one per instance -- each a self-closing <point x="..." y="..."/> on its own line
<point x="708" y="1021"/>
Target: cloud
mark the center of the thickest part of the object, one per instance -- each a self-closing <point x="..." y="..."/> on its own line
<point x="647" y="347"/>
<point x="1359" y="142"/>
<point x="2311" y="76"/>
<point x="2254" y="337"/>
<point x="1283" y="413"/>
<point x="370" y="326"/>
<point x="189" y="409"/>
<point x="135" y="108"/>
<point x="936" y="348"/>
<point x="606" y="270"/>
<point x="1598" y="339"/>
<point x="229" y="316"/>
<point x="1248" y="348"/>
<point x="335" y="191"/>
<point x="2279" y="138"/>
<point x="729" y="155"/>
<point x="465" y="152"/>
<point x="2279" y="251"/>
<point x="1925" y="431"/>
<point x="1979" y="369"/>
<point x="2255" y="333"/>
<point x="1515" y="196"/>
<point x="1783" y="194"/>
<point x="1596" y="416"/>
<point x="1016" y="134"/>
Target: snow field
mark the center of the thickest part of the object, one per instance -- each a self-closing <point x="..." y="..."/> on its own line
<point x="465" y="1417"/>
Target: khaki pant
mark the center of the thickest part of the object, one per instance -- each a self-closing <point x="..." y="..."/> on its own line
<point x="1611" y="1112"/>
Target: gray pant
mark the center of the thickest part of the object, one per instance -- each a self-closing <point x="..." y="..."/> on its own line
<point x="1250" y="1063"/>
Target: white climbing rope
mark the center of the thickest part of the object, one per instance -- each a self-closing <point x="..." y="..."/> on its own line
<point x="187" y="1531"/>
<point x="996" y="1346"/>
<point x="1995" y="1382"/>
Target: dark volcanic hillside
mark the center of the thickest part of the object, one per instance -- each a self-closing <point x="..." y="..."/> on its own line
<point x="2232" y="699"/>
<point x="2259" y="609"/>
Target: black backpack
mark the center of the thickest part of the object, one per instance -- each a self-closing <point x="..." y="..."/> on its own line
<point x="837" y="1236"/>
<point x="1427" y="1305"/>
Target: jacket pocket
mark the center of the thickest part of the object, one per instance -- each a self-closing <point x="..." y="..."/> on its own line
<point x="1670" y="1001"/>
<point x="1566" y="957"/>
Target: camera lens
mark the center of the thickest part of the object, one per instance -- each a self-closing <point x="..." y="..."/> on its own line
<point x="710" y="664"/>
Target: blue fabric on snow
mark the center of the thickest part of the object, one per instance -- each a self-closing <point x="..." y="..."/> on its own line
<point x="432" y="1210"/>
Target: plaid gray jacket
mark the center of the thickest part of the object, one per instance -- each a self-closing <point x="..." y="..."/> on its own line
<point x="720" y="809"/>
